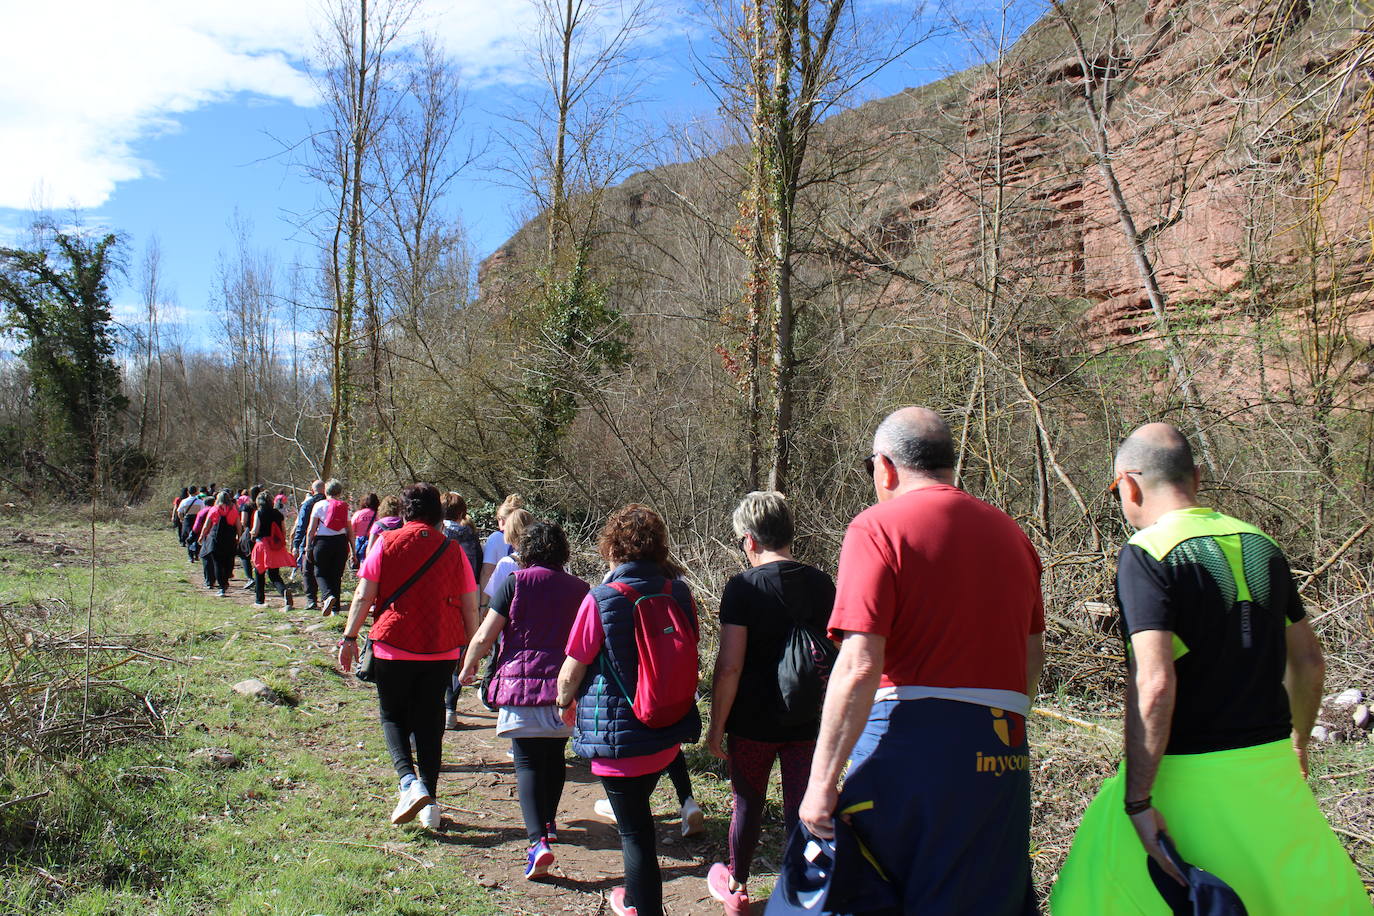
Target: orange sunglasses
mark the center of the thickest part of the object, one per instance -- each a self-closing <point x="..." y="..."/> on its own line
<point x="1116" y="481"/>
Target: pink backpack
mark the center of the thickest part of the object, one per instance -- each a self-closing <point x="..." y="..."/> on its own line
<point x="666" y="640"/>
<point x="335" y="514"/>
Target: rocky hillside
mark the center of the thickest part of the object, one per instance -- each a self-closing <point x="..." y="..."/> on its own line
<point x="1239" y="134"/>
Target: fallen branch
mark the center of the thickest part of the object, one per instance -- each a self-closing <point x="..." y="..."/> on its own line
<point x="1074" y="720"/>
<point x="1353" y="834"/>
<point x="19" y="801"/>
<point x="384" y="848"/>
<point x="1349" y="542"/>
<point x="1346" y="773"/>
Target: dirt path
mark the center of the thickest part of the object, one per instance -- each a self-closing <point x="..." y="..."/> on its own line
<point x="482" y="834"/>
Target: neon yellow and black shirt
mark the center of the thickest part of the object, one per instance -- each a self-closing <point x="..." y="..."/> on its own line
<point x="1224" y="590"/>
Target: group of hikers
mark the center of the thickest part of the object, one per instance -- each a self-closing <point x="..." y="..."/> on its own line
<point x="894" y="698"/>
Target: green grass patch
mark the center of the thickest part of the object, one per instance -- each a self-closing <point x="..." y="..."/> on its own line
<point x="138" y="822"/>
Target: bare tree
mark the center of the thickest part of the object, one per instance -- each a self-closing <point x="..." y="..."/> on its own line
<point x="784" y="66"/>
<point x="354" y="48"/>
<point x="1105" y="77"/>
<point x="150" y="287"/>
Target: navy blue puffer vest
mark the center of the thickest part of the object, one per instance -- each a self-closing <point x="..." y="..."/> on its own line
<point x="606" y="726"/>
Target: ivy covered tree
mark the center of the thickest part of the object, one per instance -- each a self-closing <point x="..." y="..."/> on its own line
<point x="580" y="335"/>
<point x="56" y="306"/>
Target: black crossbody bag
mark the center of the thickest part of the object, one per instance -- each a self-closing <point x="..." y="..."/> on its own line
<point x="364" y="669"/>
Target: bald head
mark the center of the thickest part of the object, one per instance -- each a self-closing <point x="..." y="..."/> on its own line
<point x="1160" y="453"/>
<point x="317" y="487"/>
<point x="916" y="439"/>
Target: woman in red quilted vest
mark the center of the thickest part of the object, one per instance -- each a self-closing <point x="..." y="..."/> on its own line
<point x="416" y="640"/>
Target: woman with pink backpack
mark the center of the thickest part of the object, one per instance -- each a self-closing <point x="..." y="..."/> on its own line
<point x="328" y="540"/>
<point x="628" y="688"/>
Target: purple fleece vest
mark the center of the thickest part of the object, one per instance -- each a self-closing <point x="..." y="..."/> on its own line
<point x="535" y="637"/>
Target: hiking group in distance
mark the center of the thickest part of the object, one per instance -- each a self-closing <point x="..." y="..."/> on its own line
<point x="894" y="698"/>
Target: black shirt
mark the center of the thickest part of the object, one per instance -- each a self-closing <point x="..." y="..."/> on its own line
<point x="765" y="600"/>
<point x="1225" y="592"/>
<point x="262" y="522"/>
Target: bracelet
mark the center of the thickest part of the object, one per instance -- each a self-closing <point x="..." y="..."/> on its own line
<point x="349" y="639"/>
<point x="1138" y="807"/>
<point x="558" y="705"/>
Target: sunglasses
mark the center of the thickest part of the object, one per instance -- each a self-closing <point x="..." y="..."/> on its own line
<point x="1115" y="485"/>
<point x="870" y="462"/>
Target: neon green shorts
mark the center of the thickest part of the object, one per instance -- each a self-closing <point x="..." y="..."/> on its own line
<point x="1246" y="815"/>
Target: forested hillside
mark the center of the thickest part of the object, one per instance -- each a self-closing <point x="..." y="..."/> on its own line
<point x="1137" y="210"/>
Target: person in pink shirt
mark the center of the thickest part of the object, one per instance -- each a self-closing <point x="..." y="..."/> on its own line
<point x="424" y="618"/>
<point x="207" y="561"/>
<point x="625" y="753"/>
<point x="362" y="526"/>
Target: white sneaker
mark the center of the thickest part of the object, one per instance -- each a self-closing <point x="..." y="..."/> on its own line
<point x="603" y="809"/>
<point x="429" y="817"/>
<point x="693" y="819"/>
<point x="413" y="798"/>
<point x="451" y="720"/>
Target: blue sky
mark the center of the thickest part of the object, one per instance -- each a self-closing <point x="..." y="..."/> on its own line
<point x="166" y="117"/>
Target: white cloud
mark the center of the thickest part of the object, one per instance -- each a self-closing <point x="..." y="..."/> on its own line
<point x="135" y="314"/>
<point x="85" y="80"/>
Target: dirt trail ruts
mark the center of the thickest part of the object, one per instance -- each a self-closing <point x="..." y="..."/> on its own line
<point x="482" y="834"/>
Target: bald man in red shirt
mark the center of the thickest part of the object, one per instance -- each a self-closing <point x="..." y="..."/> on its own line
<point x="941" y="622"/>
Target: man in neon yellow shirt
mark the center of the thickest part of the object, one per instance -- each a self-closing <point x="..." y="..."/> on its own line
<point x="1223" y="669"/>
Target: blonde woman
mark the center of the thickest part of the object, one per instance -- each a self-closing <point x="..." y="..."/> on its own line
<point x="496" y="546"/>
<point x="514" y="530"/>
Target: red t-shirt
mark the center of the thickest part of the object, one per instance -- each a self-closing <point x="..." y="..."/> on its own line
<point x="950" y="581"/>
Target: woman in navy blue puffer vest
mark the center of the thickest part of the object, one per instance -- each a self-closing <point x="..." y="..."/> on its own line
<point x="627" y="755"/>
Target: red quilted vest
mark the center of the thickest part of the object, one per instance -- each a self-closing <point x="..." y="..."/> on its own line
<point x="428" y="618"/>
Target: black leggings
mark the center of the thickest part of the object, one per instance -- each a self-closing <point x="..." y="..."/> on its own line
<point x="629" y="797"/>
<point x="410" y="703"/>
<point x="219" y="569"/>
<point x="260" y="584"/>
<point x="331" y="555"/>
<point x="682" y="781"/>
<point x="540" y="772"/>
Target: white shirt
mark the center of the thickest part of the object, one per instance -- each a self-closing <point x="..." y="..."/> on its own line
<point x="317" y="511"/>
<point x="504" y="567"/>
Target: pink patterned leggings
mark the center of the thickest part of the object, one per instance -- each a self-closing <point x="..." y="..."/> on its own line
<point x="751" y="763"/>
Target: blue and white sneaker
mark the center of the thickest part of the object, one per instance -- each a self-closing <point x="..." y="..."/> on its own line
<point x="413" y="797"/>
<point x="539" y="860"/>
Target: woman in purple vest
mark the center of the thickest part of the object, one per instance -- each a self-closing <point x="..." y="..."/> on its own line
<point x="532" y="611"/>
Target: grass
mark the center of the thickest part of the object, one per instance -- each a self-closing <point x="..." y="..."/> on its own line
<point x="297" y="828"/>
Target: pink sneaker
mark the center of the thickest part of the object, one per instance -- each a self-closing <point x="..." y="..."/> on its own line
<point x="618" y="905"/>
<point x="736" y="903"/>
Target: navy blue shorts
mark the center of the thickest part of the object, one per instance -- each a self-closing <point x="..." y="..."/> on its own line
<point x="935" y="816"/>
